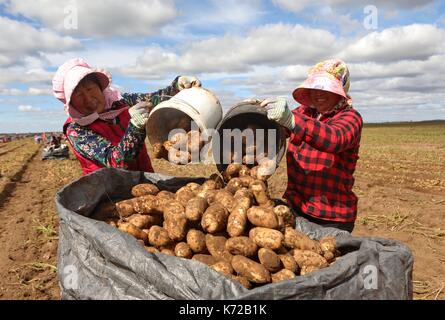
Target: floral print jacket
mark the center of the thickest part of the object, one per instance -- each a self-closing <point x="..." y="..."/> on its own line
<point x="93" y="146"/>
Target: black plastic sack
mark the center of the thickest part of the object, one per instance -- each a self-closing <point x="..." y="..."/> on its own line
<point x="97" y="261"/>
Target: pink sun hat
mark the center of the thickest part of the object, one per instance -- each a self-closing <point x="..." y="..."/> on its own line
<point x="330" y="75"/>
<point x="69" y="75"/>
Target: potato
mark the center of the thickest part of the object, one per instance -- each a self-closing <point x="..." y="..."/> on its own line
<point x="297" y="240"/>
<point x="328" y="244"/>
<point x="254" y="174"/>
<point x="165" y="194"/>
<point x="159" y="151"/>
<point x="309" y="258"/>
<point x="262" y="217"/>
<point x="282" y="275"/>
<point x="234" y="185"/>
<point x="308" y="269"/>
<point x="244" y="171"/>
<point x="144" y="221"/>
<point x="179" y="156"/>
<point x="253" y="271"/>
<point x="209" y="185"/>
<point x="184" y="194"/>
<point x="151" y="249"/>
<point x="168" y="145"/>
<point x="193" y="186"/>
<point x="176" y="227"/>
<point x="285" y="214"/>
<point x="183" y="250"/>
<point x="217" y="247"/>
<point x="269" y="259"/>
<point x="242" y="202"/>
<point x="266" y="169"/>
<point x="242" y="280"/>
<point x="241" y="246"/>
<point x="173" y="209"/>
<point x="214" y="218"/>
<point x="196" y="240"/>
<point x="288" y="262"/>
<point x="237" y="221"/>
<point x="195" y="208"/>
<point x="266" y="238"/>
<point x="147" y="204"/>
<point x="246" y="181"/>
<point x="232" y="170"/>
<point x="223" y="267"/>
<point x="125" y="208"/>
<point x="168" y="251"/>
<point x="243" y="193"/>
<point x="133" y="230"/>
<point x="158" y="237"/>
<point x="205" y="258"/>
<point x="329" y="256"/>
<point x="144" y="189"/>
<point x="105" y="210"/>
<point x="179" y="139"/>
<point x="259" y="191"/>
<point x="219" y="182"/>
<point x="225" y="198"/>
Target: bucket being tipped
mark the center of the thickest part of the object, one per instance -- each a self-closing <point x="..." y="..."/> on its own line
<point x="194" y="104"/>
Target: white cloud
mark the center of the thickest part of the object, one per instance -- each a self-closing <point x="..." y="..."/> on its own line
<point x="273" y="45"/>
<point x="99" y="18"/>
<point x="31" y="91"/>
<point x="28" y="108"/>
<point x="298" y="6"/>
<point x="416" y="41"/>
<point x="20" y="40"/>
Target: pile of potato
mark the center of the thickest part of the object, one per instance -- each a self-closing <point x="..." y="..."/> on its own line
<point x="180" y="147"/>
<point x="234" y="227"/>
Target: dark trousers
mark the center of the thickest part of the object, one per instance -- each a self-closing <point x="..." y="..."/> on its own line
<point x="346" y="226"/>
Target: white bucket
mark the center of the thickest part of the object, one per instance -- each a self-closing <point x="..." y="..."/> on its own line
<point x="201" y="105"/>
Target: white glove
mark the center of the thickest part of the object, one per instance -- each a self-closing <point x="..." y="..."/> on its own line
<point x="278" y="111"/>
<point x="139" y="113"/>
<point x="185" y="82"/>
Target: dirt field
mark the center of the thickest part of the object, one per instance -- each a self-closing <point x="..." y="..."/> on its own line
<point x="400" y="181"/>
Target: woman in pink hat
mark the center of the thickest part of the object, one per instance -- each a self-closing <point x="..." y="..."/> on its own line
<point x="104" y="128"/>
<point x="325" y="133"/>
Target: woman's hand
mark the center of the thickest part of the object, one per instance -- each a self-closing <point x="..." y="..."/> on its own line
<point x="278" y="111"/>
<point x="185" y="82"/>
<point x="139" y="113"/>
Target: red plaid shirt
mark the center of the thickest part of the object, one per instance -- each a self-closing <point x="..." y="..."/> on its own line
<point x="321" y="158"/>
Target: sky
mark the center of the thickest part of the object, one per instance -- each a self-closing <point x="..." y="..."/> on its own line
<point x="395" y="51"/>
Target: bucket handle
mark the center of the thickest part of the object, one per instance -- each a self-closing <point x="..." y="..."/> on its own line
<point x="182" y="101"/>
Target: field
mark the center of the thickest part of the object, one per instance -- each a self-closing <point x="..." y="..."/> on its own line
<point x="400" y="181"/>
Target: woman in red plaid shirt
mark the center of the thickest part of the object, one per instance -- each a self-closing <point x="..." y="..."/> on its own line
<point x="323" y="147"/>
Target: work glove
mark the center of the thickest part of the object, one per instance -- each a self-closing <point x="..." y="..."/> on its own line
<point x="278" y="111"/>
<point x="139" y="113"/>
<point x="185" y="82"/>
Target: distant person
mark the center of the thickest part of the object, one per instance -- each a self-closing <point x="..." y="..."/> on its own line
<point x="104" y="128"/>
<point x="325" y="133"/>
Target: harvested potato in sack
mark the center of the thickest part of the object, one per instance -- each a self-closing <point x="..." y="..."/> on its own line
<point x="183" y="259"/>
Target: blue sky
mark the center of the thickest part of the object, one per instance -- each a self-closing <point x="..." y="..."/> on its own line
<point x="239" y="49"/>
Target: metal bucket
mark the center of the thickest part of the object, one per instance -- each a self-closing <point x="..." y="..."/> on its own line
<point x="199" y="104"/>
<point x="240" y="117"/>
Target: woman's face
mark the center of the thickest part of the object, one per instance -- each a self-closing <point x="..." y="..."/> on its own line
<point x="322" y="100"/>
<point x="88" y="98"/>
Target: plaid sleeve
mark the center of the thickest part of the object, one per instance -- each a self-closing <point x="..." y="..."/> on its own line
<point x="155" y="97"/>
<point x="337" y="135"/>
<point x="95" y="147"/>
